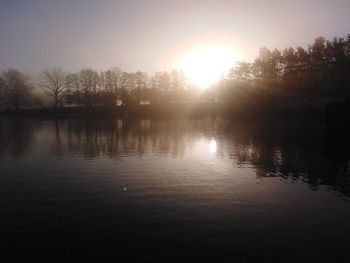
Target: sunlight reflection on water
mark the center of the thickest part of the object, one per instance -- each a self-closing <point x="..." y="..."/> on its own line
<point x="212" y="146"/>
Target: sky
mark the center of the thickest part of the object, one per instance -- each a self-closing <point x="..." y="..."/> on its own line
<point x="149" y="35"/>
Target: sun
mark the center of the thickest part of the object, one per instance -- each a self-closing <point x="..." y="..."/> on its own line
<point x="204" y="65"/>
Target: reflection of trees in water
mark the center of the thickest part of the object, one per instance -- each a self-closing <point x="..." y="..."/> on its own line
<point x="117" y="138"/>
<point x="16" y="136"/>
<point x="289" y="151"/>
<point x="57" y="148"/>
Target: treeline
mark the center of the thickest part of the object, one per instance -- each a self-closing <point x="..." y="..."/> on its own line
<point x="320" y="71"/>
<point x="293" y="79"/>
<point x="91" y="88"/>
<point x="323" y="62"/>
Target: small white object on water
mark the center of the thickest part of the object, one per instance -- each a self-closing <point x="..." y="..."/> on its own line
<point x="125" y="189"/>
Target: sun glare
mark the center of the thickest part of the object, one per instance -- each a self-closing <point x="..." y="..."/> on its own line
<point x="212" y="146"/>
<point x="205" y="65"/>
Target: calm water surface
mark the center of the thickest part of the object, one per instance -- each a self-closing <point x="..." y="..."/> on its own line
<point x="172" y="190"/>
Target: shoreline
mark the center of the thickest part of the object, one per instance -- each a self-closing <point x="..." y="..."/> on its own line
<point x="200" y="110"/>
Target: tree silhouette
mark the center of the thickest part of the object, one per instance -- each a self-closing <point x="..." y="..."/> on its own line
<point x="2" y="92"/>
<point x="88" y="82"/>
<point x="54" y="84"/>
<point x="17" y="90"/>
<point x="72" y="90"/>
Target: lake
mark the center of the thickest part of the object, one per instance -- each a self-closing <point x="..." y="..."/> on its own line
<point x="178" y="190"/>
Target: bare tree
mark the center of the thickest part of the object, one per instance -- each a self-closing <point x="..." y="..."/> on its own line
<point x="17" y="90"/>
<point x="88" y="82"/>
<point x="72" y="90"/>
<point x="117" y="73"/>
<point x="112" y="83"/>
<point x="54" y="80"/>
<point x="2" y="92"/>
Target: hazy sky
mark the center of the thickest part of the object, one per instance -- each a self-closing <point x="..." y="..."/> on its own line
<point x="149" y="35"/>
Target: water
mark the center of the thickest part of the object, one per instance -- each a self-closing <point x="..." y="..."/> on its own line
<point x="172" y="190"/>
